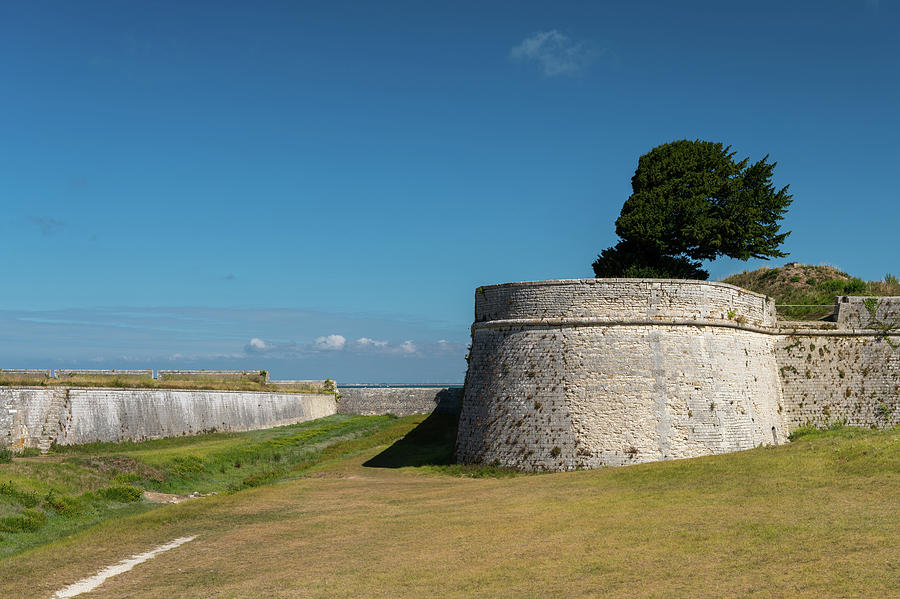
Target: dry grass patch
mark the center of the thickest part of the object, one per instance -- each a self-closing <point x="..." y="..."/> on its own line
<point x="816" y="518"/>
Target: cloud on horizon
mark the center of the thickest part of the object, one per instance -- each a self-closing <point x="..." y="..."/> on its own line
<point x="555" y="53"/>
<point x="331" y="342"/>
<point x="289" y="343"/>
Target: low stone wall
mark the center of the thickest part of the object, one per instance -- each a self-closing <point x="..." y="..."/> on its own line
<point x="257" y="376"/>
<point x="867" y="312"/>
<point x="400" y="401"/>
<point x="35" y="373"/>
<point x="37" y="416"/>
<point x="62" y="373"/>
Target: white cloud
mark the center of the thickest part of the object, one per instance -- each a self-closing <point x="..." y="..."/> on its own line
<point x="365" y="341"/>
<point x="331" y="342"/>
<point x="258" y="344"/>
<point x="408" y="347"/>
<point x="555" y="53"/>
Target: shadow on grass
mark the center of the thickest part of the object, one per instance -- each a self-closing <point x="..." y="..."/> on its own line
<point x="429" y="444"/>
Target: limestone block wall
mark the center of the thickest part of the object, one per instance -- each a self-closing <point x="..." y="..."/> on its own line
<point x="67" y="373"/>
<point x="25" y="414"/>
<point x="623" y="299"/>
<point x="31" y="373"/>
<point x="852" y="313"/>
<point x="400" y="401"/>
<point x="844" y="375"/>
<point x="259" y="376"/>
<point x="592" y="372"/>
<point x="68" y="416"/>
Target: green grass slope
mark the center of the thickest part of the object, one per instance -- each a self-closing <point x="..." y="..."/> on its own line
<point x="815" y="518"/>
<point x="75" y="487"/>
<point x="804" y="284"/>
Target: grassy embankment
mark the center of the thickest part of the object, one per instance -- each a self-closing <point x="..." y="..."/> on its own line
<point x="143" y="382"/>
<point x="803" y="284"/>
<point x="74" y="487"/>
<point x="815" y="518"/>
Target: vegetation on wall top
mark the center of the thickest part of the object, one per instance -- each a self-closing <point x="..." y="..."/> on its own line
<point x="815" y="286"/>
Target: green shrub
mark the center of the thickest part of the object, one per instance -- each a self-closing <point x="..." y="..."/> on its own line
<point x="28" y="520"/>
<point x="126" y="478"/>
<point x="120" y="493"/>
<point x="854" y="286"/>
<point x="64" y="505"/>
<point x="6" y="456"/>
<point x="20" y="496"/>
<point x="184" y="466"/>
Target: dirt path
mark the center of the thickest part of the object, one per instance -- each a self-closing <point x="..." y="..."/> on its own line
<point x="86" y="585"/>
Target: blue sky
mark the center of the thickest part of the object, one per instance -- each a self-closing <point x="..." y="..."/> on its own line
<point x="318" y="188"/>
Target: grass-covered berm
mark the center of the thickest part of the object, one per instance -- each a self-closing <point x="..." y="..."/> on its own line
<point x="794" y="286"/>
<point x="384" y="515"/>
<point x="44" y="498"/>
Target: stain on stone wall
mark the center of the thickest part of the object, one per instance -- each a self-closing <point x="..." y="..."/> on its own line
<point x="38" y="416"/>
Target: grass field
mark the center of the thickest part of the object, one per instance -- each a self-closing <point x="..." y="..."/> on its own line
<point x="371" y="516"/>
<point x="77" y="486"/>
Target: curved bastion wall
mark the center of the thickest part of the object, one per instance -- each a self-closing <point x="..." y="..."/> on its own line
<point x="584" y="373"/>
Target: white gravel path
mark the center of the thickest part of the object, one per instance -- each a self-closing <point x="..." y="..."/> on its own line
<point x="89" y="584"/>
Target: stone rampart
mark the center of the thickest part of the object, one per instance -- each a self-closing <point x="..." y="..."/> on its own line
<point x="257" y="376"/>
<point x="848" y="372"/>
<point x="867" y="312"/>
<point x="37" y="416"/>
<point x="399" y="401"/>
<point x="591" y="372"/>
<point x="35" y="374"/>
<point x="63" y="373"/>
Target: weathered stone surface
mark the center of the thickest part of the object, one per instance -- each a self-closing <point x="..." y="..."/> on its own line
<point x="590" y="372"/>
<point x="837" y="378"/>
<point x="399" y="401"/>
<point x="70" y="416"/>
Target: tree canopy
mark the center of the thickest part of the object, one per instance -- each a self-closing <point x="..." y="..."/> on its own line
<point x="691" y="201"/>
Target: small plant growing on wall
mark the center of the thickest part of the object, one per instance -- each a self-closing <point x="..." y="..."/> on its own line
<point x="884" y="327"/>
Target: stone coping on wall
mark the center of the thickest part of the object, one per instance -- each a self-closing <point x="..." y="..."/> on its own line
<point x="595" y="281"/>
<point x="70" y="372"/>
<point x="784" y="329"/>
<point x="145" y="389"/>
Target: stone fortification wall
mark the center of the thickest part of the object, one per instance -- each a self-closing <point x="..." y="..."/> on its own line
<point x="400" y="401"/>
<point x="25" y="415"/>
<point x="37" y="416"/>
<point x="622" y="299"/>
<point x="62" y="373"/>
<point x="848" y="372"/>
<point x="31" y="373"/>
<point x="258" y="376"/>
<point x="592" y="372"/>
<point x="867" y="312"/>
